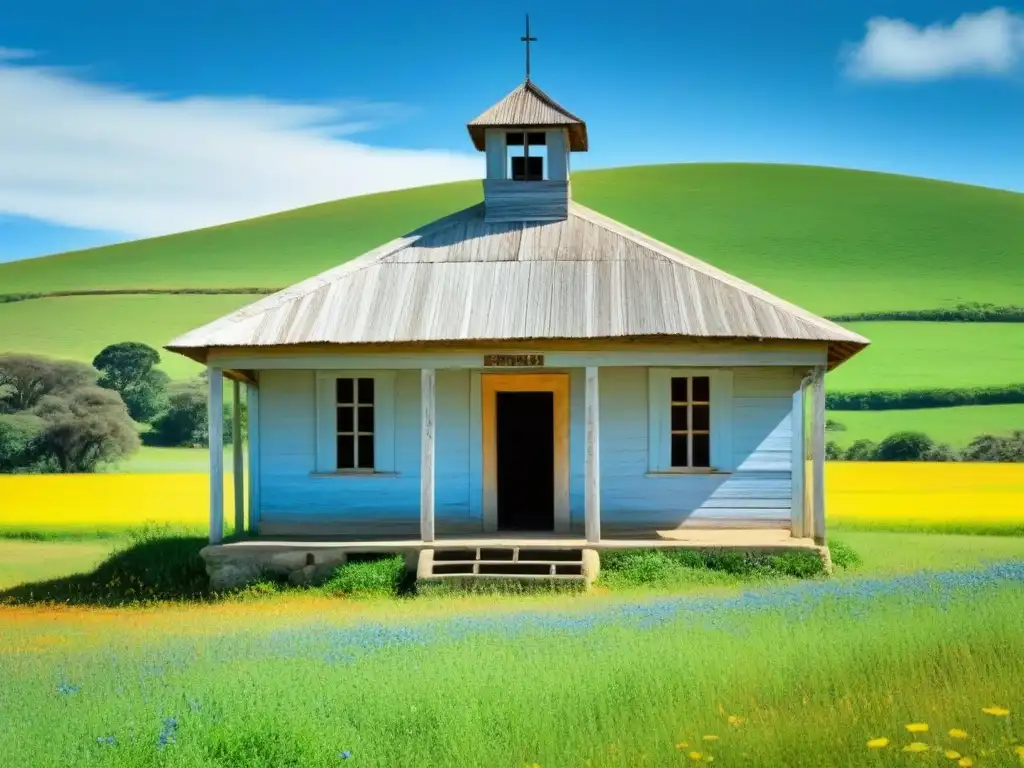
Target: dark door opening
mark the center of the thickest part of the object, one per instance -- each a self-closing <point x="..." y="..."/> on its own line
<point x="526" y="460"/>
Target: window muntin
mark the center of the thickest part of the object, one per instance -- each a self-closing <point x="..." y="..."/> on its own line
<point x="526" y="153"/>
<point x="690" y="416"/>
<point x="354" y="400"/>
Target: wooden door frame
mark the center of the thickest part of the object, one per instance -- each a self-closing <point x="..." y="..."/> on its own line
<point x="558" y="385"/>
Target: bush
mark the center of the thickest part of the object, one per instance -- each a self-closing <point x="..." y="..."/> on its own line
<point x="861" y="450"/>
<point x="843" y="555"/>
<point x="88" y="427"/>
<point x="884" y="400"/>
<point x="20" y="449"/>
<point x="833" y="451"/>
<point x="648" y="567"/>
<point x="185" y="423"/>
<point x="378" y="577"/>
<point x="905" y="446"/>
<point x="26" y="379"/>
<point x="995" y="448"/>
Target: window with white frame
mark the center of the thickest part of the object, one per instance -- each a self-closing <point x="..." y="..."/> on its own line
<point x="691" y="422"/>
<point x="355" y="423"/>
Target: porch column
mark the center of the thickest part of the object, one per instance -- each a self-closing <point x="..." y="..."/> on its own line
<point x="427" y="378"/>
<point x="252" y="434"/>
<point x="215" y="415"/>
<point x="592" y="494"/>
<point x="236" y="456"/>
<point x="818" y="468"/>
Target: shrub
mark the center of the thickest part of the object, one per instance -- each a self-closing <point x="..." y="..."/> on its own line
<point x="861" y="450"/>
<point x="905" y="446"/>
<point x="995" y="448"/>
<point x="20" y="435"/>
<point x="833" y="451"/>
<point x="186" y="420"/>
<point x="378" y="577"/>
<point x="843" y="555"/>
<point x="646" y="567"/>
<point x="88" y="427"/>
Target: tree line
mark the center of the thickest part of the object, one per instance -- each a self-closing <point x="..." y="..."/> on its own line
<point x="917" y="446"/>
<point x="69" y="416"/>
<point x="887" y="400"/>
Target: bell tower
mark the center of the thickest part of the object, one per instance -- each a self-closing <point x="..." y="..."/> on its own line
<point x="528" y="138"/>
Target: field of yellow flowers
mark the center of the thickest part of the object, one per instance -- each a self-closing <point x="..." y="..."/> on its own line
<point x="982" y="498"/>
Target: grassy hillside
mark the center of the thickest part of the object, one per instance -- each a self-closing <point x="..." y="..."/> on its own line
<point x="834" y="241"/>
<point x="831" y="240"/>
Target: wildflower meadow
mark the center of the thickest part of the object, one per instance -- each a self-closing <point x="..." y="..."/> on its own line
<point x="922" y="669"/>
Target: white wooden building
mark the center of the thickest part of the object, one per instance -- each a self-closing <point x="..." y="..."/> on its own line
<point x="520" y="380"/>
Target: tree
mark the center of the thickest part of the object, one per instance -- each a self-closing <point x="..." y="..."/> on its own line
<point x="905" y="446"/>
<point x="90" y="427"/>
<point x="861" y="450"/>
<point x="941" y="452"/>
<point x="129" y="368"/>
<point x="996" y="448"/>
<point x="19" y="442"/>
<point x="26" y="379"/>
<point x="832" y="451"/>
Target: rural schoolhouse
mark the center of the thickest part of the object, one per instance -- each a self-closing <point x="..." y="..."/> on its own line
<point x="512" y="388"/>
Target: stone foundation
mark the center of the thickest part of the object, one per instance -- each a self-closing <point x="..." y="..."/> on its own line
<point x="230" y="567"/>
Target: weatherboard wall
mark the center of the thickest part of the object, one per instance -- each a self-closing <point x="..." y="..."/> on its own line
<point x="297" y="496"/>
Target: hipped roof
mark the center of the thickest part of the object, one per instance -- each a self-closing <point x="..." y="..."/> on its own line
<point x="529" y="107"/>
<point x="464" y="279"/>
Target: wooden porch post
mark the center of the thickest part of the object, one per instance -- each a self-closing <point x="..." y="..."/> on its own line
<point x="427" y="379"/>
<point x="798" y="458"/>
<point x="818" y="437"/>
<point x="252" y="434"/>
<point x="592" y="494"/>
<point x="236" y="456"/>
<point x="215" y="414"/>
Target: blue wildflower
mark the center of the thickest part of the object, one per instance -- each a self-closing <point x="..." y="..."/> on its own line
<point x="169" y="733"/>
<point x="109" y="740"/>
<point x="345" y="755"/>
<point x="67" y="689"/>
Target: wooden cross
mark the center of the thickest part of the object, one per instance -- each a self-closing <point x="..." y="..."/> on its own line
<point x="527" y="39"/>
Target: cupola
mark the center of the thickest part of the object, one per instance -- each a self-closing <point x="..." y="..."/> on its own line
<point x="528" y="138"/>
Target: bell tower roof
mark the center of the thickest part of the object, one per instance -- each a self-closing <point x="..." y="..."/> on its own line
<point x="529" y="107"/>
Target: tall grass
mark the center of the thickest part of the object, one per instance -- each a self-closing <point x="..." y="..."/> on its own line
<point x="813" y="671"/>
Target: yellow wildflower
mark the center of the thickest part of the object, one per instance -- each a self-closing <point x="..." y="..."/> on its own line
<point x="1020" y="752"/>
<point x="878" y="743"/>
<point x="695" y="755"/>
<point x="965" y="762"/>
<point x="957" y="733"/>
<point x="916" y="746"/>
<point x="917" y="727"/>
<point x="952" y="754"/>
<point x="997" y="711"/>
<point x="710" y="737"/>
<point x="735" y="720"/>
<point x="682" y="745"/>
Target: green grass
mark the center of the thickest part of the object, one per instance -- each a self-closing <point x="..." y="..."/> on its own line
<point x="955" y="426"/>
<point x="31" y="561"/>
<point x="933" y="355"/>
<point x="78" y="327"/>
<point x="885" y="553"/>
<point x="814" y="674"/>
<point x="891" y="242"/>
<point x="153" y="460"/>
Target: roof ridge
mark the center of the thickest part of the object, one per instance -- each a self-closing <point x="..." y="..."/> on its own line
<point x="316" y="282"/>
<point x="688" y="260"/>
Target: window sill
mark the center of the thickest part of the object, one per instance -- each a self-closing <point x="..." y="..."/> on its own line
<point x="353" y="473"/>
<point x="695" y="471"/>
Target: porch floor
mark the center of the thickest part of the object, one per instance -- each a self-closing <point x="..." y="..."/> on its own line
<point x="697" y="538"/>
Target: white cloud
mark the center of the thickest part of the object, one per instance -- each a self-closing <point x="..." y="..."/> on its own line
<point x="85" y="154"/>
<point x="989" y="43"/>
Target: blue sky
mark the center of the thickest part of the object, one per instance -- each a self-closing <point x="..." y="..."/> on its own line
<point x="128" y="119"/>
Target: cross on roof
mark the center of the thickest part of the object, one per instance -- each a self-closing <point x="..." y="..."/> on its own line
<point x="527" y="39"/>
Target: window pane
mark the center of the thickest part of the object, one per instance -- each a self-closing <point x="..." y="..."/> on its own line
<point x="679" y="417"/>
<point x="365" y="451"/>
<point x="679" y="451"/>
<point x="701" y="416"/>
<point x="701" y="451"/>
<point x="365" y="419"/>
<point x="366" y="391"/>
<point x="679" y="390"/>
<point x="344" y="390"/>
<point x="514" y="139"/>
<point x="346" y="452"/>
<point x="345" y="418"/>
<point x="701" y="389"/>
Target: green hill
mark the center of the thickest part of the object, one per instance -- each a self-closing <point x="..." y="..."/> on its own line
<point x="834" y="241"/>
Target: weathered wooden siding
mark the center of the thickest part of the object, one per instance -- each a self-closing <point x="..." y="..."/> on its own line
<point x="523" y="201"/>
<point x="758" y="490"/>
<point x="756" y="493"/>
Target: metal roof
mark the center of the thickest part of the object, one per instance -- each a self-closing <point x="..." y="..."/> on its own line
<point x="463" y="279"/>
<point x="529" y="107"/>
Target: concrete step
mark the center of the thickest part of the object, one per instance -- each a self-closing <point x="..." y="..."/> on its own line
<point x="528" y="564"/>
